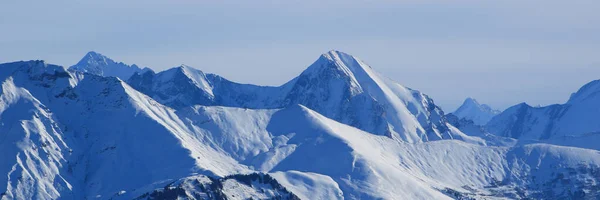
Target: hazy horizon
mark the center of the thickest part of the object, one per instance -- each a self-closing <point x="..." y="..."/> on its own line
<point x="500" y="53"/>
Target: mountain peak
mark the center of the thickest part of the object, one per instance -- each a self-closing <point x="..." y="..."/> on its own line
<point x="587" y="91"/>
<point x="471" y="109"/>
<point x="335" y="54"/>
<point x="94" y="54"/>
<point x="95" y="58"/>
<point x="183" y="66"/>
<point x="331" y="69"/>
<point x="470" y="100"/>
<point x="181" y="80"/>
<point x="188" y="69"/>
<point x="98" y="64"/>
<point x="338" y="66"/>
<point x="341" y="59"/>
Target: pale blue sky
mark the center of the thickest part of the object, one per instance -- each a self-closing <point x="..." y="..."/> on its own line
<point x="499" y="52"/>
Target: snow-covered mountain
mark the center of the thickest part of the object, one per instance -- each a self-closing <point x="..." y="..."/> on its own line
<point x="337" y="85"/>
<point x="575" y="119"/>
<point x="77" y="137"/>
<point x="472" y="110"/>
<point x="72" y="135"/>
<point x="98" y="64"/>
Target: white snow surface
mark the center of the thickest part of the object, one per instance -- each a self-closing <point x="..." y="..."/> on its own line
<point x="307" y="185"/>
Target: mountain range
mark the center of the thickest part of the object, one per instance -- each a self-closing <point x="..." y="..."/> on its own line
<point x="573" y="123"/>
<point x="106" y="130"/>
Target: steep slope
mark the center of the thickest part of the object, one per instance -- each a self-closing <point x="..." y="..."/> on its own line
<point x="240" y="133"/>
<point x="144" y="141"/>
<point x="80" y="136"/>
<point x="589" y="91"/>
<point x="305" y="145"/>
<point x="472" y="110"/>
<point x="367" y="166"/>
<point x="575" y="118"/>
<point x="363" y="172"/>
<point x="32" y="144"/>
<point x="525" y="122"/>
<point x="87" y="133"/>
<point x="344" y="88"/>
<point x="308" y="185"/>
<point x="31" y="148"/>
<point x="177" y="87"/>
<point x="83" y="135"/>
<point x="98" y="64"/>
<point x="185" y="86"/>
<point x="338" y="85"/>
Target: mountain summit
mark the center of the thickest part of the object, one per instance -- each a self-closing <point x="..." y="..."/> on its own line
<point x="98" y="64"/>
<point x="345" y="88"/>
<point x="586" y="92"/>
<point x="472" y="110"/>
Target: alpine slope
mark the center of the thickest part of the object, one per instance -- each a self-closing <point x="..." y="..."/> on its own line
<point x="107" y="130"/>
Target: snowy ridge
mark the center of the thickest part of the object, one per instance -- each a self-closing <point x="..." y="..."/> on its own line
<point x="177" y="87"/>
<point x="337" y="131"/>
<point x="367" y="101"/>
<point x="300" y="134"/>
<point x="32" y="147"/>
<point x="424" y="168"/>
<point x="337" y="85"/>
<point x="472" y="110"/>
<point x="95" y="157"/>
<point x="586" y="92"/>
<point x="309" y="185"/>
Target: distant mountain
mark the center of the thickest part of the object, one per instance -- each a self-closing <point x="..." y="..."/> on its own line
<point x="338" y="85"/>
<point x="98" y="64"/>
<point x="472" y="110"/>
<point x="576" y="118"/>
<point x="65" y="134"/>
